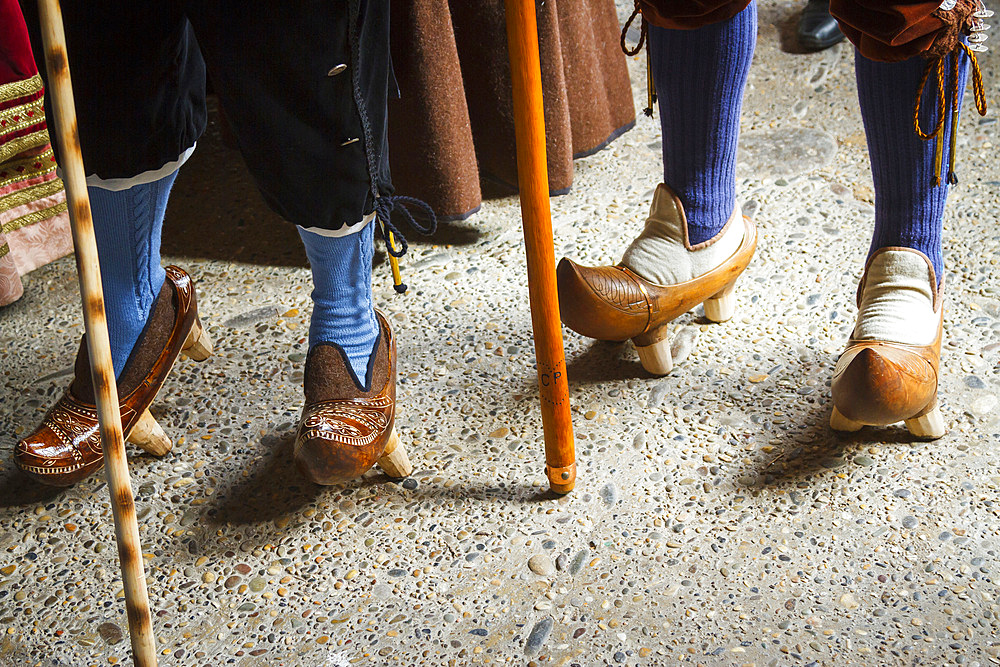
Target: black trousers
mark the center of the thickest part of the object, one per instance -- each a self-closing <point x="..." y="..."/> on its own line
<point x="304" y="84"/>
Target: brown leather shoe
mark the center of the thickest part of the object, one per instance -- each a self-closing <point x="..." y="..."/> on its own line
<point x="346" y="428"/>
<point x="66" y="447"/>
<point x="614" y="303"/>
<point x="889" y="371"/>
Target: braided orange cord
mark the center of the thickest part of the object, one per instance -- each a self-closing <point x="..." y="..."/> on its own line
<point x="938" y="66"/>
<point x="954" y="81"/>
<point x="979" y="94"/>
<point x="937" y="133"/>
<point x="953" y="138"/>
<point x="977" y="80"/>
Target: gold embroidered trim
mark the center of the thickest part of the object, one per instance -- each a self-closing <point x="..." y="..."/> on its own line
<point x="28" y="168"/>
<point x="34" y="193"/>
<point x="15" y="89"/>
<point x="4" y="249"/>
<point x="28" y="161"/>
<point x="20" y="112"/>
<point x="21" y="144"/>
<point x="32" y="218"/>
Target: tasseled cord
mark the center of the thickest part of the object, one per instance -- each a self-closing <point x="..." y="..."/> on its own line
<point x="936" y="67"/>
<point x="643" y="32"/>
<point x="384" y="206"/>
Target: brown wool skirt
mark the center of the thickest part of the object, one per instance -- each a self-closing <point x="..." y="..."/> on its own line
<point x="454" y="124"/>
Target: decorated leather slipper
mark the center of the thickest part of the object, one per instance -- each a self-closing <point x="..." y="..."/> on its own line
<point x="347" y="427"/>
<point x="66" y="447"/>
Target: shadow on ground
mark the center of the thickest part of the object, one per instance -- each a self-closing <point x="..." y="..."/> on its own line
<point x="817" y="449"/>
<point x="272" y="491"/>
<point x="18" y="490"/>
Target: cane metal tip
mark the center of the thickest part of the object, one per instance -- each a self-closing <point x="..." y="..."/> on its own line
<point x="400" y="288"/>
<point x="562" y="479"/>
<point x="562" y="489"/>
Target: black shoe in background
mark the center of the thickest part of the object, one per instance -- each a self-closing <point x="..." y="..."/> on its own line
<point x="817" y="29"/>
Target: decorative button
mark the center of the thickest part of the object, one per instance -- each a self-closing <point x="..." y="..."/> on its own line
<point x="337" y="70"/>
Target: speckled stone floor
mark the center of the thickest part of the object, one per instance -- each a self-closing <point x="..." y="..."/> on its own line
<point x="717" y="520"/>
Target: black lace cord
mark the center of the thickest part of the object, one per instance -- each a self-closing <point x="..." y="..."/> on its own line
<point x="384" y="206"/>
<point x="359" y="102"/>
<point x="650" y="85"/>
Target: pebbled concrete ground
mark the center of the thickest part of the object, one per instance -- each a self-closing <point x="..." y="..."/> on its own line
<point x="717" y="520"/>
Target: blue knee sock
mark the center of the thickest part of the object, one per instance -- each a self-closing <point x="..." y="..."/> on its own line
<point x="342" y="295"/>
<point x="700" y="75"/>
<point x="908" y="208"/>
<point x="128" y="224"/>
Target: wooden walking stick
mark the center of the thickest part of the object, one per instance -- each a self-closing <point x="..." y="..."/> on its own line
<point x="98" y="345"/>
<point x="536" y="218"/>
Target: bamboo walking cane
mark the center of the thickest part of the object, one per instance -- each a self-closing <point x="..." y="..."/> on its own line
<point x="536" y="218"/>
<point x="98" y="345"/>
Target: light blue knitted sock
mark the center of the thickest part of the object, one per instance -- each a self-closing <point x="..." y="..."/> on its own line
<point x="343" y="313"/>
<point x="128" y="224"/>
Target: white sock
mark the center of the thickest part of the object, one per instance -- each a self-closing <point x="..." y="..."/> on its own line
<point x="897" y="299"/>
<point x="660" y="253"/>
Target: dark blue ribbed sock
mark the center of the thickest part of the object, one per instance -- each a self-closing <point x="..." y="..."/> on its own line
<point x="908" y="209"/>
<point x="128" y="224"/>
<point x="342" y="294"/>
<point x="700" y="75"/>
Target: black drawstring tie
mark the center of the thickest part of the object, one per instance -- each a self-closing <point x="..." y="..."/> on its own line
<point x="643" y="29"/>
<point x="384" y="206"/>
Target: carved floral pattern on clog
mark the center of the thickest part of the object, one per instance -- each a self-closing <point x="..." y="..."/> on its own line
<point x="351" y="422"/>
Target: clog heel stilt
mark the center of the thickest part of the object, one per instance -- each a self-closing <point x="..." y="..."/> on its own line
<point x="198" y="344"/>
<point x="722" y="306"/>
<point x="394" y="462"/>
<point x="148" y="435"/>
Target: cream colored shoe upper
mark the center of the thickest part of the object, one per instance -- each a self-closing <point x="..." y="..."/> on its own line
<point x="661" y="253"/>
<point x="896" y="298"/>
